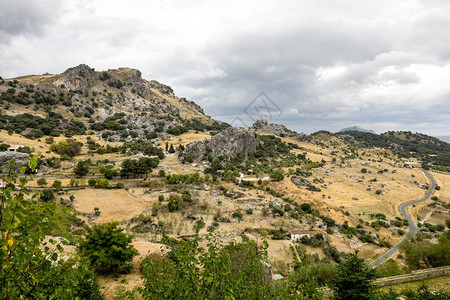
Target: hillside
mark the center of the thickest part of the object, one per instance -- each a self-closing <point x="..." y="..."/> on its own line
<point x="113" y="147"/>
<point x="118" y="103"/>
<point x="430" y="150"/>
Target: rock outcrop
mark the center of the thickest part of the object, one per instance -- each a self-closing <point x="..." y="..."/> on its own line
<point x="20" y="158"/>
<point x="277" y="129"/>
<point x="227" y="143"/>
<point x="300" y="181"/>
<point x="80" y="77"/>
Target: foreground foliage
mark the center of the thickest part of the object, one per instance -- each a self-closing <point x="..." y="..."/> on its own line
<point x="30" y="266"/>
<point x="108" y="248"/>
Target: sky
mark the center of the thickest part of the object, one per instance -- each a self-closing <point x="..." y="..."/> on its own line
<point x="309" y="65"/>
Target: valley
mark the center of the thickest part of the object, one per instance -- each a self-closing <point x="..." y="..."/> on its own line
<point x="113" y="147"/>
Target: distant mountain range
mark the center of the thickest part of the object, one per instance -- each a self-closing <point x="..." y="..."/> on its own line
<point x="357" y="128"/>
<point x="445" y="138"/>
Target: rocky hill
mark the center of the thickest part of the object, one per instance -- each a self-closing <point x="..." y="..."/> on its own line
<point x="227" y="143"/>
<point x="117" y="102"/>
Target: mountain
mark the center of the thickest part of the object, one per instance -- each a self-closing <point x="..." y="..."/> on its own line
<point x="356" y="128"/>
<point x="117" y="102"/>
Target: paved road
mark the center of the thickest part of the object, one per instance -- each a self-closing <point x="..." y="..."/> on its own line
<point x="412" y="225"/>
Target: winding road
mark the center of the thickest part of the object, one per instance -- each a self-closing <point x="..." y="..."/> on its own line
<point x="412" y="225"/>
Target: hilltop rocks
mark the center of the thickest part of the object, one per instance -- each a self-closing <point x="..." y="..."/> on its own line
<point x="162" y="88"/>
<point x="227" y="143"/>
<point x="277" y="129"/>
<point x="78" y="78"/>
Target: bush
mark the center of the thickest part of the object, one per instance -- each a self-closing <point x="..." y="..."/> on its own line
<point x="232" y="271"/>
<point x="69" y="147"/>
<point x="42" y="182"/>
<point x="47" y="195"/>
<point x="277" y="175"/>
<point x="108" y="248"/>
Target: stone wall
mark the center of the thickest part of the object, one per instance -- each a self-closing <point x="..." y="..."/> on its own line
<point x="414" y="276"/>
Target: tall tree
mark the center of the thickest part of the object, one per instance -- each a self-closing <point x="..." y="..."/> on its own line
<point x="353" y="280"/>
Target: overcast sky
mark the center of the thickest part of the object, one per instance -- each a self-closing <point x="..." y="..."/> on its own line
<point x="382" y="65"/>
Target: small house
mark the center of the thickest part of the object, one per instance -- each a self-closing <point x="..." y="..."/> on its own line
<point x="14" y="148"/>
<point x="298" y="234"/>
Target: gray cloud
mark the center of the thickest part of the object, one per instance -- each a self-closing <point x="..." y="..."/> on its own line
<point x="27" y="17"/>
<point x="327" y="65"/>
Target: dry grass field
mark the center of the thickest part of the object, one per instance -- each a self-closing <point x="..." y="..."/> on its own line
<point x="114" y="205"/>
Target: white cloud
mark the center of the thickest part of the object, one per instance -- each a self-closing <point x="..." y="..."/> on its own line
<point x="380" y="64"/>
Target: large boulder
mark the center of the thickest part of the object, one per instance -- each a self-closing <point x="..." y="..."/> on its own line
<point x="227" y="143"/>
<point x="20" y="158"/>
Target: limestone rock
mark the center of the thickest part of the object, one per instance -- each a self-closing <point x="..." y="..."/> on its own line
<point x="20" y="158"/>
<point x="227" y="143"/>
<point x="78" y="78"/>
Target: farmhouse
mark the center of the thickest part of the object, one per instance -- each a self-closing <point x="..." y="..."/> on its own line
<point x="14" y="148"/>
<point x="298" y="234"/>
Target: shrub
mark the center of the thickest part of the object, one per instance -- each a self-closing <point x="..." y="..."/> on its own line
<point x="277" y="175"/>
<point x="47" y="195"/>
<point x="108" y="248"/>
<point x="69" y="147"/>
<point x="42" y="182"/>
<point x="232" y="271"/>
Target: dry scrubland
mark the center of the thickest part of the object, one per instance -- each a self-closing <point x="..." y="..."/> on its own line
<point x="342" y="182"/>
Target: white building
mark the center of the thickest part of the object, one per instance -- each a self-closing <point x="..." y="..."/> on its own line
<point x="298" y="234"/>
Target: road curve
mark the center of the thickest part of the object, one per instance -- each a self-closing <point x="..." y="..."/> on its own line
<point x="412" y="225"/>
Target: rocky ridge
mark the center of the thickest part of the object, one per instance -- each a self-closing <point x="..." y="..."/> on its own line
<point x="277" y="129"/>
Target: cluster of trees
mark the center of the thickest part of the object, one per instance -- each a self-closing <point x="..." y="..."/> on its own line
<point x="114" y="123"/>
<point x="421" y="253"/>
<point x="197" y="125"/>
<point x="52" y="125"/>
<point x="142" y="166"/>
<point x="193" y="178"/>
<point x="271" y="153"/>
<point x="69" y="147"/>
<point x="406" y="144"/>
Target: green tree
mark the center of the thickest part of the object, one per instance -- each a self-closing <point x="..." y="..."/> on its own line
<point x="353" y="280"/>
<point x="41" y="182"/>
<point x="232" y="271"/>
<point x="29" y="267"/>
<point x="108" y="248"/>
<point x="47" y="195"/>
<point x="277" y="175"/>
<point x="57" y="184"/>
<point x="81" y="169"/>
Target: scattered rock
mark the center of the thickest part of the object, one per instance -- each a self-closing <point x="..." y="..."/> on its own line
<point x="300" y="181"/>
